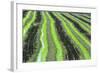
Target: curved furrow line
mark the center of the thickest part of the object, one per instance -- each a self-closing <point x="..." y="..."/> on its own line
<point x="28" y="42"/>
<point x="28" y="47"/>
<point x="51" y="47"/>
<point x="70" y="52"/>
<point x="58" y="44"/>
<point x="36" y="42"/>
<point x="77" y="20"/>
<point x="86" y="16"/>
<point x="25" y="19"/>
<point x="84" y="40"/>
<point x="70" y="33"/>
<point x="71" y="46"/>
<point x="81" y="18"/>
<point x="44" y="42"/>
<point x="28" y="25"/>
<point x="84" y="33"/>
<point x="82" y="24"/>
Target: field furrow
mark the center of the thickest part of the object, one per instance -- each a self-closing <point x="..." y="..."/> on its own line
<point x="81" y="18"/>
<point x="71" y="34"/>
<point x="57" y="42"/>
<point x="69" y="51"/>
<point x="44" y="42"/>
<point x="83" y="39"/>
<point x="86" y="16"/>
<point x="55" y="36"/>
<point x="26" y="18"/>
<point x="28" y="25"/>
<point x="83" y="25"/>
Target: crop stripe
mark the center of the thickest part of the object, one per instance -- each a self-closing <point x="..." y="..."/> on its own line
<point x="80" y="36"/>
<point x="72" y="36"/>
<point x="57" y="42"/>
<point x="82" y="24"/>
<point x="81" y="17"/>
<point x="86" y="16"/>
<point x="44" y="42"/>
<point x="26" y="17"/>
<point x="28" y="25"/>
<point x="70" y="51"/>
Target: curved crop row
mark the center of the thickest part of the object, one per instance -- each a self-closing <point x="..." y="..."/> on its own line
<point x="29" y="40"/>
<point x="59" y="54"/>
<point x="43" y="38"/>
<point x="81" y="17"/>
<point x="87" y="16"/>
<point x="71" y="34"/>
<point x="26" y="18"/>
<point x="83" y="39"/>
<point x="56" y="36"/>
<point x="82" y="24"/>
<point x="70" y="53"/>
<point x="29" y="23"/>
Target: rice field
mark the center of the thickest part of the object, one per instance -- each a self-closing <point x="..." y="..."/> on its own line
<point x="56" y="36"/>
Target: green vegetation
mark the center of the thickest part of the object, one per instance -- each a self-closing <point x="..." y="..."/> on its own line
<point x="56" y="36"/>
